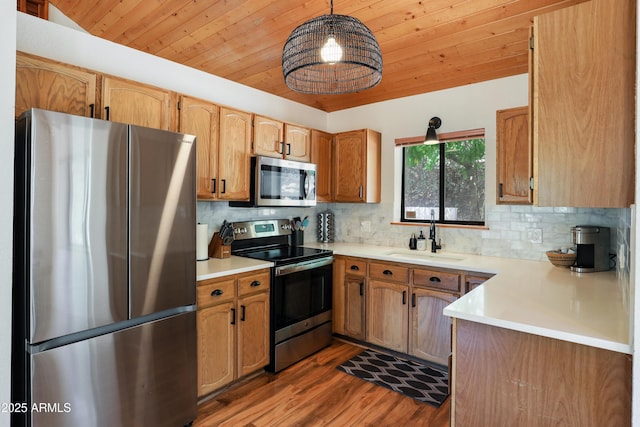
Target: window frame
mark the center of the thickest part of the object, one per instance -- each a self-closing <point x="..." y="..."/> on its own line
<point x="443" y="138"/>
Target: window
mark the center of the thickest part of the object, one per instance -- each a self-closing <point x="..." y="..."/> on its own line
<point x="445" y="180"/>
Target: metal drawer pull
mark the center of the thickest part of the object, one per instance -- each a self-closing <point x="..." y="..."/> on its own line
<point x="404" y="297"/>
<point x="242" y="316"/>
<point x="387" y="273"/>
<point x="216" y="293"/>
<point x="255" y="283"/>
<point x="413" y="299"/>
<point x="214" y="185"/>
<point x="355" y="268"/>
<point x="434" y="279"/>
<point x="233" y="318"/>
<point x="361" y="288"/>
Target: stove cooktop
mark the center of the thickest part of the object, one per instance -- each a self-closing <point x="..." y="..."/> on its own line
<point x="287" y="254"/>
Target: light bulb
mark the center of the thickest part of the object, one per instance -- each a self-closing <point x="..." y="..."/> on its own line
<point x="331" y="52"/>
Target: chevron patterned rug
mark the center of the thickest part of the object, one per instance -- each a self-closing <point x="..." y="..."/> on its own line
<point x="424" y="383"/>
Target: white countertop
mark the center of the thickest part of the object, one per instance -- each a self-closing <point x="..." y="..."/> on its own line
<point x="219" y="267"/>
<point x="528" y="296"/>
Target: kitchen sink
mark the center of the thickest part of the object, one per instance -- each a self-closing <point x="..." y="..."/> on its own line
<point x="423" y="255"/>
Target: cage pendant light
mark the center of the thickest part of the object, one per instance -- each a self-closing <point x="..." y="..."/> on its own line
<point x="331" y="54"/>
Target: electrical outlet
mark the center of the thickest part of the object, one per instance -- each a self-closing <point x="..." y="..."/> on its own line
<point x="534" y="235"/>
<point x="365" y="226"/>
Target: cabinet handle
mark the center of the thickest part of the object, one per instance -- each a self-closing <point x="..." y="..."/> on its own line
<point x="224" y="186"/>
<point x="233" y="317"/>
<point x="361" y="288"/>
<point x="388" y="273"/>
<point x="216" y="293"/>
<point x="242" y="316"/>
<point x="255" y="283"/>
<point x="214" y="185"/>
<point x="404" y="297"/>
<point x="435" y="279"/>
<point x="413" y="299"/>
<point x="92" y="110"/>
<point x="281" y="147"/>
<point x="500" y="193"/>
<point x="106" y="109"/>
<point x="354" y="268"/>
<point x="288" y="149"/>
<point x="360" y="192"/>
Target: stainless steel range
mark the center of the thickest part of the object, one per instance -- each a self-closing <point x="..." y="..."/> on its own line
<point x="301" y="289"/>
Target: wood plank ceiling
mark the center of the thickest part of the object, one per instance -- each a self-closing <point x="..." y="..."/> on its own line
<point x="426" y="45"/>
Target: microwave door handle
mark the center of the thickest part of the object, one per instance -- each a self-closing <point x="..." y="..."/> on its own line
<point x="306" y="184"/>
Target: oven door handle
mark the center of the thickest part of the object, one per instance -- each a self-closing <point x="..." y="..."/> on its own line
<point x="302" y="266"/>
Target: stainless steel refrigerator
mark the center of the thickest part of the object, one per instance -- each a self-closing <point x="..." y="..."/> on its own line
<point x="104" y="324"/>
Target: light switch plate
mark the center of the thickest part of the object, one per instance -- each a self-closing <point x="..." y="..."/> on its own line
<point x="534" y="235"/>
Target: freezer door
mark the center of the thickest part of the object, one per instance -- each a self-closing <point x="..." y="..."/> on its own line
<point x="162" y="201"/>
<point x="74" y="207"/>
<point x="143" y="376"/>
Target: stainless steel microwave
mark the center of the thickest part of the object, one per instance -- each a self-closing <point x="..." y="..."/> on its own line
<point x="279" y="182"/>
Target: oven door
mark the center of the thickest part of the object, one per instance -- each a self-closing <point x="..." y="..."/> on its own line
<point x="281" y="182"/>
<point x="301" y="292"/>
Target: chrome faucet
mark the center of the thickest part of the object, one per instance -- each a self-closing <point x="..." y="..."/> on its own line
<point x="432" y="234"/>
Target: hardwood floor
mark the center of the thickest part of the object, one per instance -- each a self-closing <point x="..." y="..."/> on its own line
<point x="314" y="393"/>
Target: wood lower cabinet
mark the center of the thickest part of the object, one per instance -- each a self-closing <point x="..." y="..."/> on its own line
<point x="135" y="103"/>
<point x="354" y="301"/>
<point x="54" y="86"/>
<point x="322" y="157"/>
<point x="388" y="314"/>
<point x="513" y="156"/>
<point x="510" y="378"/>
<point x="357" y="166"/>
<point x="472" y="281"/>
<point x="233" y="328"/>
<point x="430" y="334"/>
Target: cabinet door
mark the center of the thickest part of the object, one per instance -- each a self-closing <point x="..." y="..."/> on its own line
<point x="253" y="333"/>
<point x="268" y="137"/>
<point x="53" y="86"/>
<point x="338" y="309"/>
<point x="388" y="315"/>
<point x="201" y="118"/>
<point x="354" y="301"/>
<point x="350" y="172"/>
<point x="216" y="347"/>
<point x="297" y="143"/>
<point x="137" y="104"/>
<point x="583" y="105"/>
<point x="234" y="160"/>
<point x="430" y="329"/>
<point x="513" y="156"/>
<point x="321" y="155"/>
<point x="471" y="282"/>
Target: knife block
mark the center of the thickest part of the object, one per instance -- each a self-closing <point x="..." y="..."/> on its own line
<point x="217" y="249"/>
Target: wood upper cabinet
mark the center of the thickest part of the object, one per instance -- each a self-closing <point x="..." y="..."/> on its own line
<point x="274" y="138"/>
<point x="583" y="105"/>
<point x="268" y="136"/>
<point x="322" y="157"/>
<point x="388" y="314"/>
<point x="513" y="156"/>
<point x="54" y="86"/>
<point x="134" y="103"/>
<point x="297" y="143"/>
<point x="202" y="118"/>
<point x="357" y="166"/>
<point x="233" y="328"/>
<point x="234" y="161"/>
<point x="430" y="333"/>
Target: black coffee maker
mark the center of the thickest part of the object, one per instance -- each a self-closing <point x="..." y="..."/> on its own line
<point x="592" y="248"/>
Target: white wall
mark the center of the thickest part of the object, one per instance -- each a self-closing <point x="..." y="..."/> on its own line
<point x="7" y="108"/>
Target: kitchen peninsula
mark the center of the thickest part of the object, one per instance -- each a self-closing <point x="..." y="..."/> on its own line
<point x="535" y="345"/>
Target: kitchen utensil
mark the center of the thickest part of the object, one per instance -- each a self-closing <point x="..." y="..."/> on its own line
<point x="305" y="222"/>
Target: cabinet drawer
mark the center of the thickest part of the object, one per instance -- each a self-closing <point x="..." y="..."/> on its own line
<point x="388" y="272"/>
<point x="436" y="279"/>
<point x="212" y="292"/>
<point x="356" y="267"/>
<point x="254" y="282"/>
